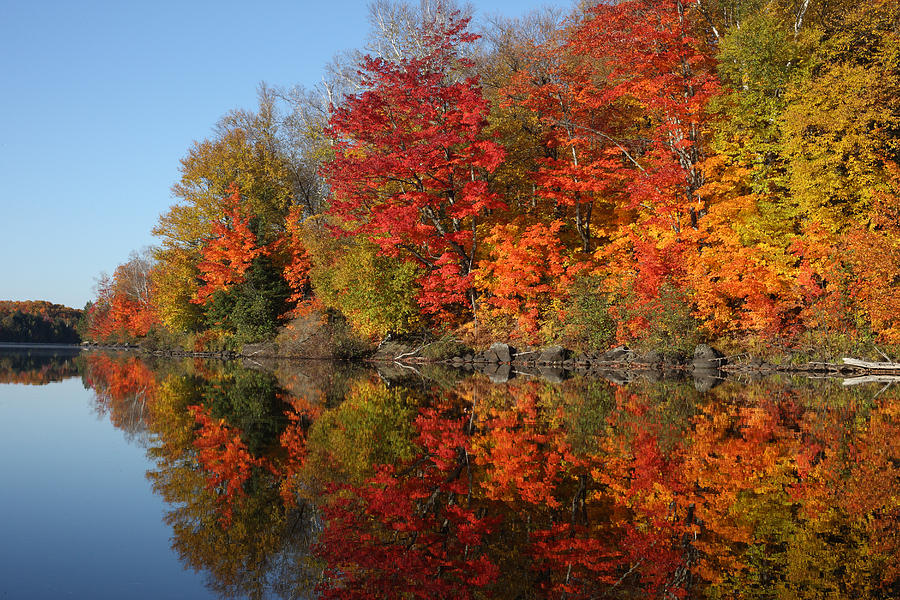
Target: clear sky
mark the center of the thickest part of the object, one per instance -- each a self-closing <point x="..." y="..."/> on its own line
<point x="100" y="99"/>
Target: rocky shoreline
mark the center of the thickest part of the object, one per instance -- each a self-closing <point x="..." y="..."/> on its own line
<point x="501" y="362"/>
<point x="707" y="367"/>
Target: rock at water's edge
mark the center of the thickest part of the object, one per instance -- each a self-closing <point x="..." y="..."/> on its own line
<point x="503" y="352"/>
<point x="707" y="358"/>
<point x="619" y="353"/>
<point x="553" y="354"/>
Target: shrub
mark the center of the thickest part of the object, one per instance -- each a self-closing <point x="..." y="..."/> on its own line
<point x="669" y="326"/>
<point x="376" y="293"/>
<point x="582" y="321"/>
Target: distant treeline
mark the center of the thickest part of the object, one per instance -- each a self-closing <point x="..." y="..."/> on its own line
<point x="39" y="321"/>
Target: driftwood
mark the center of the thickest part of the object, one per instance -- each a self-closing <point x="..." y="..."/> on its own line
<point x="874" y="366"/>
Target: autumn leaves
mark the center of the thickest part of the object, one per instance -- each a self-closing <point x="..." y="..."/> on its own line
<point x="697" y="170"/>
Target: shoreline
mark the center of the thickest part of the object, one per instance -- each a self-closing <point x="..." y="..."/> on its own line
<point x="616" y="365"/>
<point x="501" y="362"/>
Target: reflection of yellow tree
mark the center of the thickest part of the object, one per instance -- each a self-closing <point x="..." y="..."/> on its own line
<point x="371" y="427"/>
<point x="850" y="494"/>
<point x="796" y="495"/>
<point x="740" y="462"/>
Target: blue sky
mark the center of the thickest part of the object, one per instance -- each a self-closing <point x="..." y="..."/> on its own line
<point x="100" y="100"/>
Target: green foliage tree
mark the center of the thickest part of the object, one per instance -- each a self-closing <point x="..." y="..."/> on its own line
<point x="757" y="60"/>
<point x="253" y="308"/>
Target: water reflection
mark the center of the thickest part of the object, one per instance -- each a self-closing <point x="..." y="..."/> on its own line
<point x="36" y="365"/>
<point x="319" y="480"/>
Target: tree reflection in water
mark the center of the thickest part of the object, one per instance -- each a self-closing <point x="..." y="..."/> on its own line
<point x="353" y="485"/>
<point x="38" y="366"/>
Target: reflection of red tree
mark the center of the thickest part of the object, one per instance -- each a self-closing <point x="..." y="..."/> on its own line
<point x="224" y="458"/>
<point x="507" y="491"/>
<point x="620" y="526"/>
<point x="522" y="459"/>
<point x="661" y="497"/>
<point x="411" y="531"/>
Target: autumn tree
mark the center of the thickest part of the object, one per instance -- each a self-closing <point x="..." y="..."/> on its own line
<point x="123" y="309"/>
<point x="244" y="289"/>
<point x="839" y="147"/>
<point x="513" y="53"/>
<point x="249" y="153"/>
<point x="175" y="283"/>
<point x="294" y="249"/>
<point x="229" y="250"/>
<point x="376" y="293"/>
<point x="634" y="107"/>
<point x="528" y="267"/>
<point x="412" y="161"/>
<point x="560" y="86"/>
<point x="245" y="152"/>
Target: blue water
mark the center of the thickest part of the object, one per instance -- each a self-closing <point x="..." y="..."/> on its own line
<point x="78" y="518"/>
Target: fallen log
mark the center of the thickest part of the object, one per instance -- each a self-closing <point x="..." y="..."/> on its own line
<point x="875" y="366"/>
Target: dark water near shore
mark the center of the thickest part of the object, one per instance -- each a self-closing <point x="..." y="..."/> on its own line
<point x="128" y="477"/>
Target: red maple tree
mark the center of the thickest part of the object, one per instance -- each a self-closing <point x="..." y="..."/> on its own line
<point x="411" y="163"/>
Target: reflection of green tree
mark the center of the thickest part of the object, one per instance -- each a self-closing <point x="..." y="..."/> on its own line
<point x="583" y="406"/>
<point x="671" y="406"/>
<point x="829" y="556"/>
<point x="239" y="558"/>
<point x="249" y="400"/>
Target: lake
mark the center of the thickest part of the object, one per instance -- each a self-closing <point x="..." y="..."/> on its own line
<point x="137" y="477"/>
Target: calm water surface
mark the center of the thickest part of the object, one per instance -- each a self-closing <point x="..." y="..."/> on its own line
<point x="78" y="518"/>
<point x="128" y="477"/>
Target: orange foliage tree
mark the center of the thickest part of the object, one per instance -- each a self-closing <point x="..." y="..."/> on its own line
<point x="295" y="257"/>
<point x="528" y="267"/>
<point x="224" y="458"/>
<point x="228" y="252"/>
<point x="123" y="309"/>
